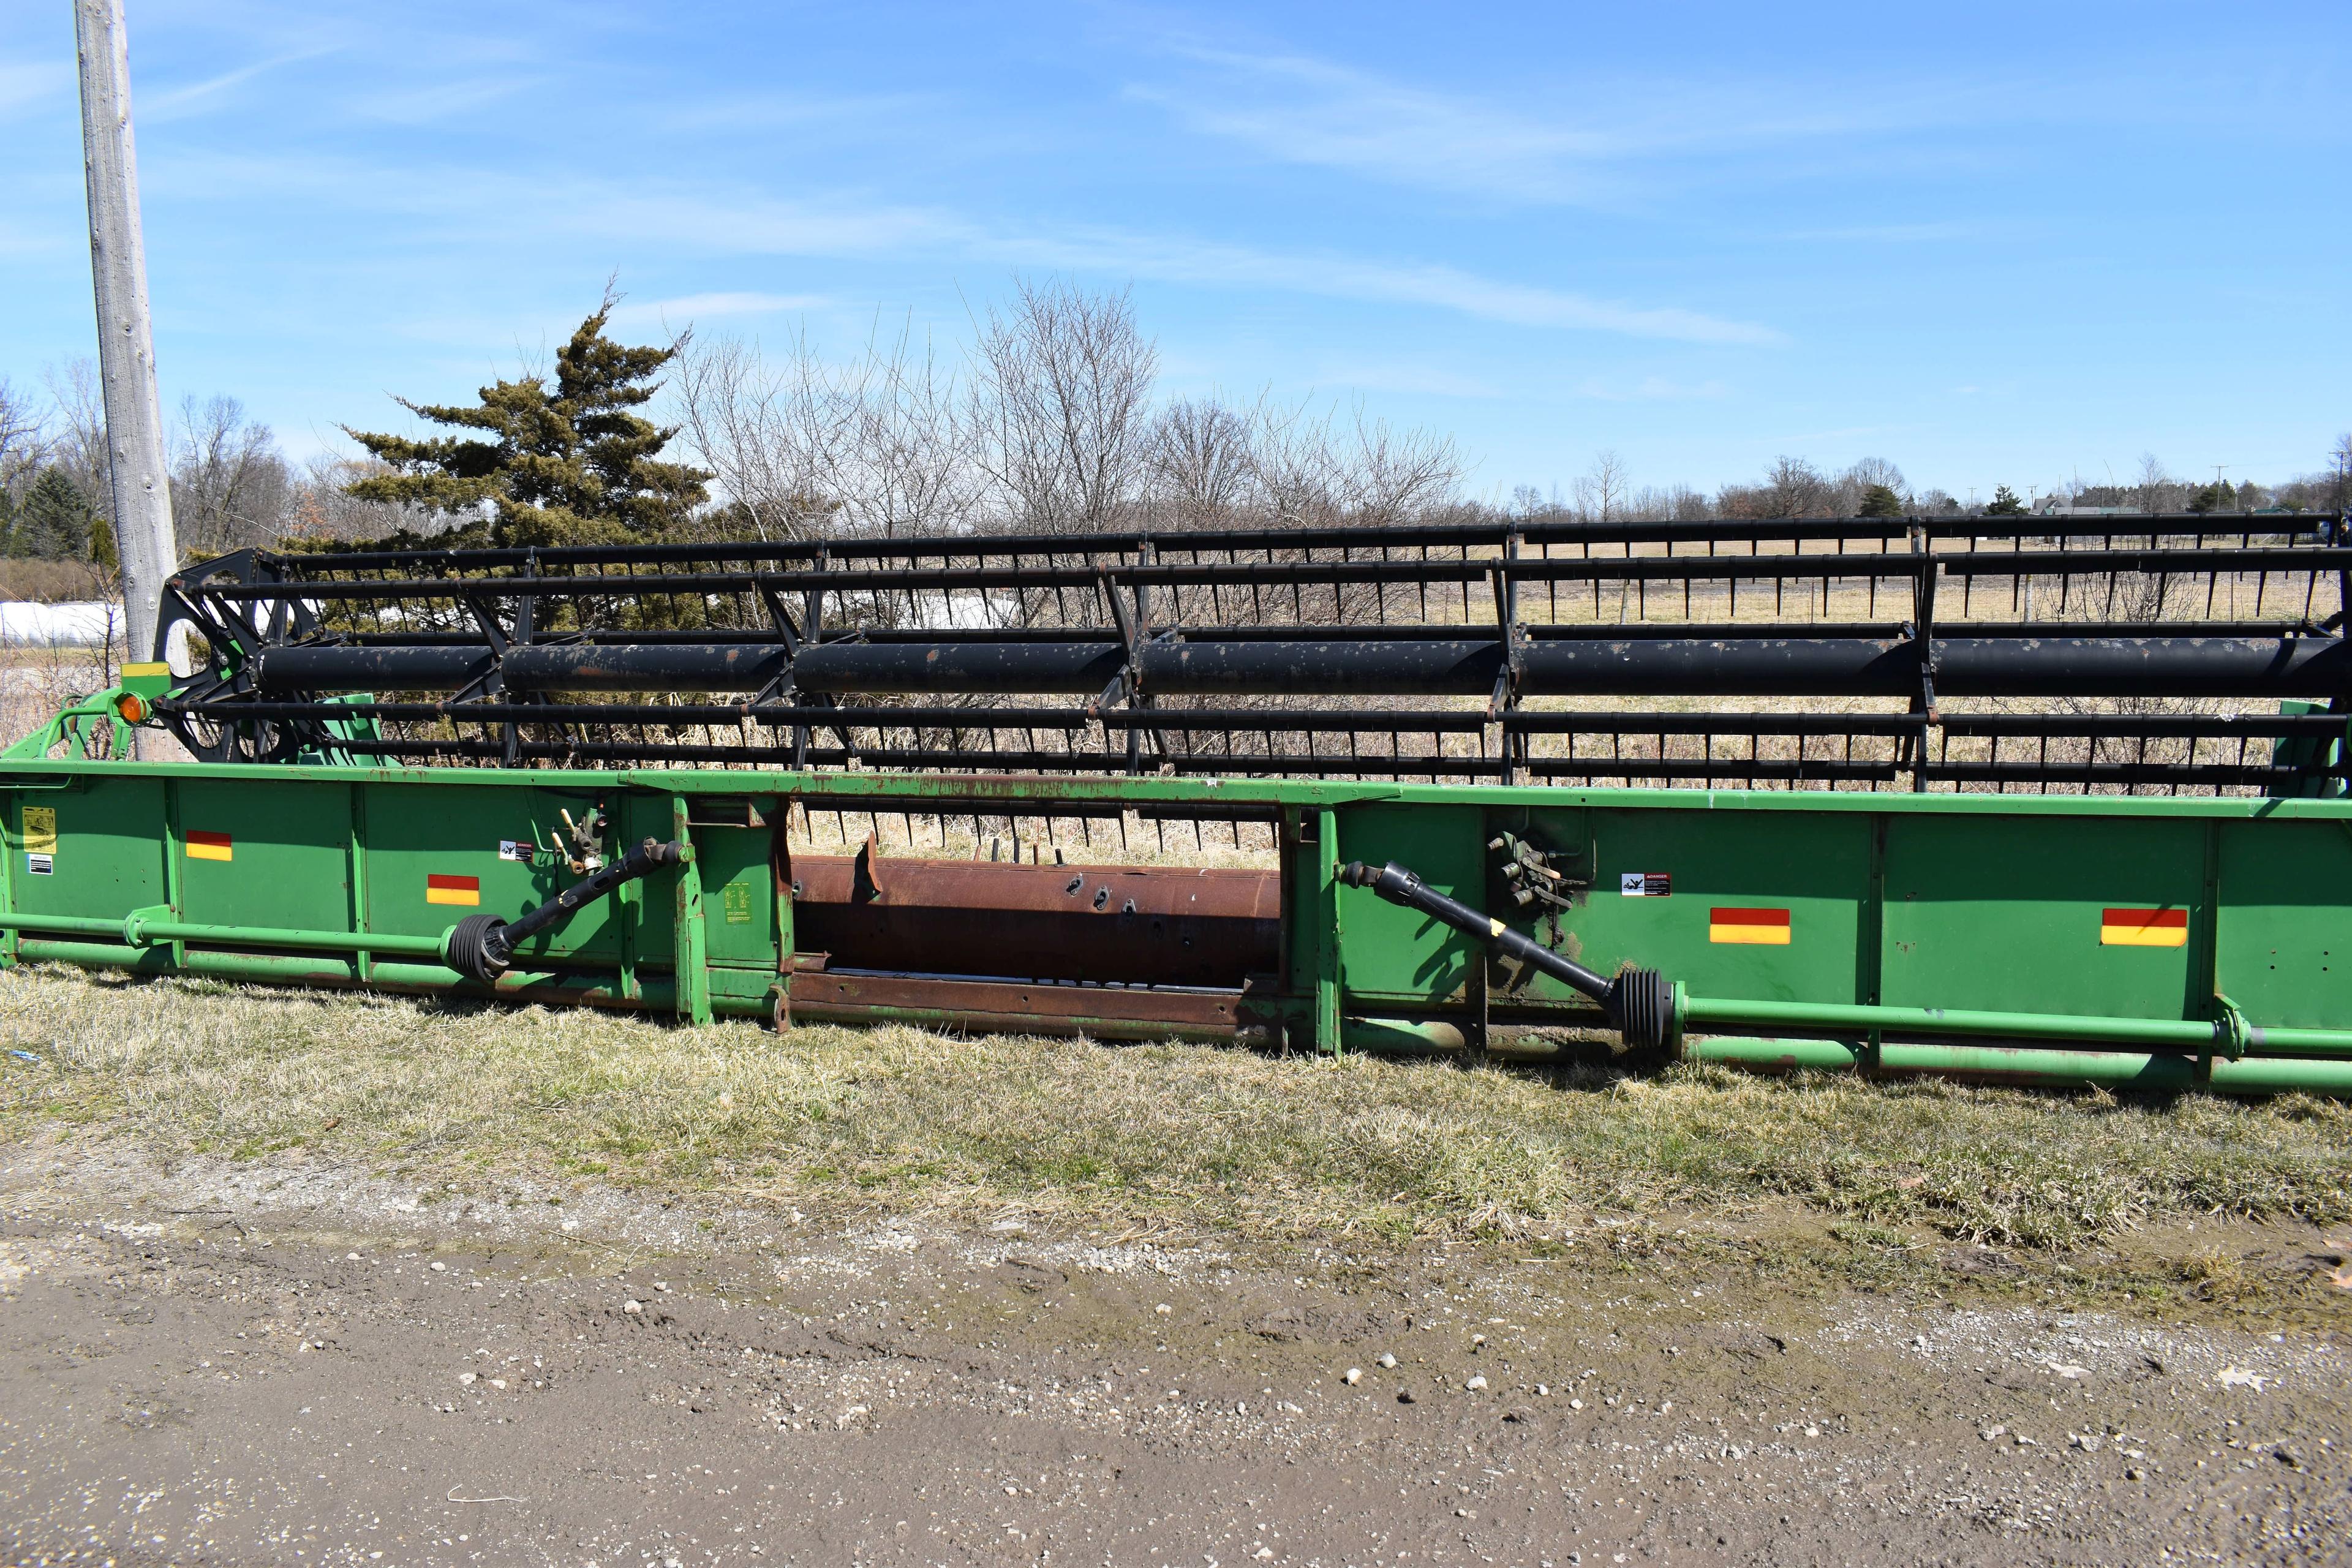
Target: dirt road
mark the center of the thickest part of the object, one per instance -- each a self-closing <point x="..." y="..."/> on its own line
<point x="295" y="1365"/>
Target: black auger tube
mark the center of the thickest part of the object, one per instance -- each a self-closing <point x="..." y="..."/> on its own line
<point x="2264" y="666"/>
<point x="480" y="947"/>
<point x="1638" y="1002"/>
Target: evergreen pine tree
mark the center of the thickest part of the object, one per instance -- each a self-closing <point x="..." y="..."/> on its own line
<point x="2005" y="503"/>
<point x="54" y="522"/>
<point x="2213" y="498"/>
<point x="1879" y="500"/>
<point x="568" y="465"/>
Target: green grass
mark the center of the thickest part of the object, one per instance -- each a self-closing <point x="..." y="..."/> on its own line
<point x="1135" y="1136"/>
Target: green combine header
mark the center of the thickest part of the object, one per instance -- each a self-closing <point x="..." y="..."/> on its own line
<point x="1888" y="797"/>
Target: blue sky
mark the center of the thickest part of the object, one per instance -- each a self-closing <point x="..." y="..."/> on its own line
<point x="1993" y="243"/>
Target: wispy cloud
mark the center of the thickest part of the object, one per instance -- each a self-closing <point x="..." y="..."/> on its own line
<point x="1302" y="110"/>
<point x="33" y="84"/>
<point x="1378" y="281"/>
<point x="434" y="103"/>
<point x="15" y="240"/>
<point x="689" y="308"/>
<point x="738" y="113"/>
<point x="751" y="223"/>
<point x="765" y="225"/>
<point x="201" y="97"/>
<point x="1432" y="381"/>
<point x="1650" y="389"/>
<point x="1905" y="233"/>
<point x="1305" y="110"/>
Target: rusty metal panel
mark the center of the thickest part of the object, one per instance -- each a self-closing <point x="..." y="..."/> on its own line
<point x="999" y="1007"/>
<point x="1140" y="925"/>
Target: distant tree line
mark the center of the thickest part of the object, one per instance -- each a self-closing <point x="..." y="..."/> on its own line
<point x="1049" y="419"/>
<point x="232" y="488"/>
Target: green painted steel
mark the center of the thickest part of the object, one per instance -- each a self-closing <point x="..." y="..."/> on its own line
<point x="1702" y="1012"/>
<point x="138" y="929"/>
<point x="2194" y="938"/>
<point x="2153" y="1071"/>
<point x="2136" y="1069"/>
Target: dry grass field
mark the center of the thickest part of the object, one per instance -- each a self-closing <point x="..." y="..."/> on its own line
<point x="1119" y="1139"/>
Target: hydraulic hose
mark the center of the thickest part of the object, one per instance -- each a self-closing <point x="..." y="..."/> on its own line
<point x="1638" y="1002"/>
<point x="480" y="947"/>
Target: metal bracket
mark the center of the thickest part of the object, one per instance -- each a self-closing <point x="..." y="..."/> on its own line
<point x="1922" y="631"/>
<point x="491" y="682"/>
<point x="795" y="635"/>
<point x="135" y="924"/>
<point x="2234" y="1034"/>
<point x="1134" y="629"/>
<point x="1504" y="700"/>
<point x="787" y="630"/>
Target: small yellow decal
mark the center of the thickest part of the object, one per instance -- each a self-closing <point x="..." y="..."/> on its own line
<point x="737" y="899"/>
<point x="40" y="830"/>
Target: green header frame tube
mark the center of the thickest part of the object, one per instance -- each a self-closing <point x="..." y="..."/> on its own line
<point x="2151" y="1071"/>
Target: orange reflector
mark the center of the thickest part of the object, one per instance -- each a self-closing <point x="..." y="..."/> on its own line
<point x="133" y="707"/>
<point x="1757" y="928"/>
<point x="453" y="889"/>
<point x="2143" y="928"/>
<point x="202" y="846"/>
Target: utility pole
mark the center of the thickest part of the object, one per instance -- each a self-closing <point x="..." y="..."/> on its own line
<point x="126" y="339"/>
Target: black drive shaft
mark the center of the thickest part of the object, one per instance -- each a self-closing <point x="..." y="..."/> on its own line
<point x="480" y="947"/>
<point x="1638" y="1001"/>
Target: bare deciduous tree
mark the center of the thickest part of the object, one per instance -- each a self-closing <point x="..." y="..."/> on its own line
<point x="2158" y="490"/>
<point x="905" y="468"/>
<point x="322" y="508"/>
<point x="231" y="487"/>
<point x="1296" y="466"/>
<point x="1397" y="475"/>
<point x="1057" y="410"/>
<point x="1791" y="488"/>
<point x="1602" y="493"/>
<point x="1796" y="487"/>
<point x="1051" y="430"/>
<point x="24" y="442"/>
<point x="1201" y="464"/>
<point x="1869" y="471"/>
<point x="769" y="438"/>
<point x="1316" y="474"/>
<point x="78" y="440"/>
<point x="1681" y="503"/>
<point x="873" y="446"/>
